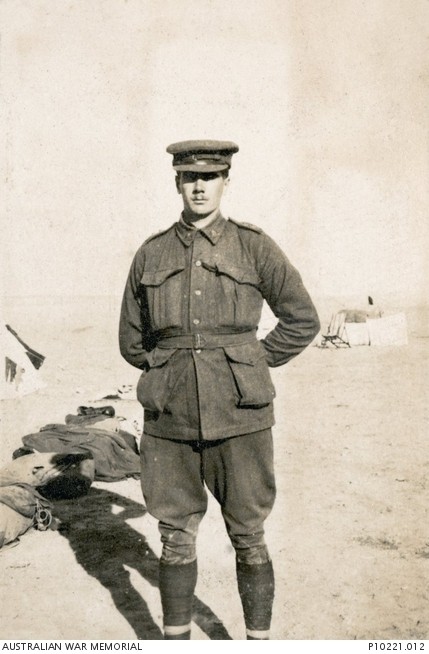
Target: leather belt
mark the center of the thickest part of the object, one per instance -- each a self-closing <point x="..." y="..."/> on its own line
<point x="206" y="341"/>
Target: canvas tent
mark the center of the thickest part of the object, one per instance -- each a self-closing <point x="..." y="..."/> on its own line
<point x="350" y="327"/>
<point x="21" y="365"/>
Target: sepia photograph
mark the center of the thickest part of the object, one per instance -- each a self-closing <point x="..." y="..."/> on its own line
<point x="215" y="322"/>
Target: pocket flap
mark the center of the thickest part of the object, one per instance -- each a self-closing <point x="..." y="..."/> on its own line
<point x="158" y="357"/>
<point x="158" y="277"/>
<point x="240" y="275"/>
<point x="248" y="353"/>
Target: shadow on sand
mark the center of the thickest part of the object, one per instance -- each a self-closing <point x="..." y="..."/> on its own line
<point x="104" y="544"/>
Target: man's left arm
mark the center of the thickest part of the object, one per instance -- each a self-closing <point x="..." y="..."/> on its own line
<point x="283" y="289"/>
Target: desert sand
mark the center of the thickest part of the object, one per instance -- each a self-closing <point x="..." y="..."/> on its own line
<point x="349" y="534"/>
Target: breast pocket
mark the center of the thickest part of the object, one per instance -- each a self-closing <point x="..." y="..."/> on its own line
<point x="163" y="289"/>
<point x="251" y="374"/>
<point x="154" y="385"/>
<point x="240" y="274"/>
<point x="237" y="290"/>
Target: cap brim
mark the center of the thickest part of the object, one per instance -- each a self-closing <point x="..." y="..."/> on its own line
<point x="198" y="168"/>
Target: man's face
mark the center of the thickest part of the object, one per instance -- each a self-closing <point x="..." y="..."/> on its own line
<point x="201" y="192"/>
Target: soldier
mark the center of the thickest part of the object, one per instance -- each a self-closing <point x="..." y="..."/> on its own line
<point x="190" y="311"/>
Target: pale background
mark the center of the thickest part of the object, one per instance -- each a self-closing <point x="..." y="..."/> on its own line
<point x="328" y="101"/>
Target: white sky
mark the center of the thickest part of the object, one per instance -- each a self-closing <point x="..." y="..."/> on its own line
<point x="327" y="100"/>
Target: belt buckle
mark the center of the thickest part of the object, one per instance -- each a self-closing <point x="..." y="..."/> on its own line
<point x="198" y="341"/>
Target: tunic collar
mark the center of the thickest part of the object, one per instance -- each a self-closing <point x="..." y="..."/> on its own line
<point x="213" y="231"/>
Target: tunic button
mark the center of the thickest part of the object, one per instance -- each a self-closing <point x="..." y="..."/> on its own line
<point x="198" y="263"/>
<point x="197" y="292"/>
<point x="196" y="321"/>
<point x="198" y="351"/>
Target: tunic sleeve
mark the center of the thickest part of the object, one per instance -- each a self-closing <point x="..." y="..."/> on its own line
<point x="285" y="293"/>
<point x="134" y="325"/>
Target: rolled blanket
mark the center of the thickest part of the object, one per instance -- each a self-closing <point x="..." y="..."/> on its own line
<point x="22" y="507"/>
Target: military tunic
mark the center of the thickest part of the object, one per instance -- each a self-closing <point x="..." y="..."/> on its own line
<point x="189" y="315"/>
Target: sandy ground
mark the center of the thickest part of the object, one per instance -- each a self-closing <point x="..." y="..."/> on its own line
<point x="349" y="533"/>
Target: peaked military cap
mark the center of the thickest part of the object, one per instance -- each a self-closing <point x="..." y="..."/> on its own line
<point x="205" y="156"/>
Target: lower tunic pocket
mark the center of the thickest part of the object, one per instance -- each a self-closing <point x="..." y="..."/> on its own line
<point x="153" y="388"/>
<point x="251" y="374"/>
